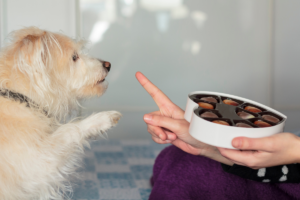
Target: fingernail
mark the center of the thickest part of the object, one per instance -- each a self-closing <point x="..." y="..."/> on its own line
<point x="147" y="117"/>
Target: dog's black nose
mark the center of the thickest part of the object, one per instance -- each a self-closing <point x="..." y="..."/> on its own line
<point x="107" y="65"/>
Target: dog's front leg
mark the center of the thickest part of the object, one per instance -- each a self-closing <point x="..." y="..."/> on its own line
<point x="92" y="126"/>
<point x="99" y="123"/>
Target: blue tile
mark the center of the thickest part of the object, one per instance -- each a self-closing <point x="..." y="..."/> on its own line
<point x="138" y="152"/>
<point x="110" y="158"/>
<point x="116" y="180"/>
<point x="155" y="146"/>
<point x="145" y="193"/>
<point x="141" y="172"/>
<point x="89" y="164"/>
<point x="86" y="190"/>
<point x="104" y="142"/>
<point x="89" y="190"/>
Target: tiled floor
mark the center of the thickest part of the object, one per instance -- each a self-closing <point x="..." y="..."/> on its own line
<point x="117" y="169"/>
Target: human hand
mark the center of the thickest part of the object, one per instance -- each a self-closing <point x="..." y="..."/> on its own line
<point x="256" y="153"/>
<point x="166" y="107"/>
<point x="183" y="140"/>
<point x="169" y="126"/>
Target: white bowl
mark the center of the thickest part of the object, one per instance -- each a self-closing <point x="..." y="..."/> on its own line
<point x="220" y="135"/>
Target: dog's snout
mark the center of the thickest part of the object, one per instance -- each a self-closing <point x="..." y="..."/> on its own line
<point x="106" y="64"/>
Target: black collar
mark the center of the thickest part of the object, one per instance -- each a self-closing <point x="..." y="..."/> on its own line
<point x="20" y="97"/>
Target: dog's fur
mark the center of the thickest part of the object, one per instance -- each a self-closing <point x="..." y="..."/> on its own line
<point x="37" y="152"/>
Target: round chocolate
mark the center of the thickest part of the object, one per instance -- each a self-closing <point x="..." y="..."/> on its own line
<point x="244" y="125"/>
<point x="230" y="102"/>
<point x="262" y="124"/>
<point x="205" y="105"/>
<point x="253" y="109"/>
<point x="221" y="122"/>
<point x="245" y="115"/>
<point x="209" y="115"/>
<point x="209" y="99"/>
<point x="270" y="118"/>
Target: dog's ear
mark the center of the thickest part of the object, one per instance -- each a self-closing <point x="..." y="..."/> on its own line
<point x="33" y="51"/>
<point x="33" y="54"/>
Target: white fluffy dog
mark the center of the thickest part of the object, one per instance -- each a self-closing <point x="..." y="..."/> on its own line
<point x="42" y="76"/>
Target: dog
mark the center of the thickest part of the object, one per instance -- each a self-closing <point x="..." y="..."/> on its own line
<point x="43" y="75"/>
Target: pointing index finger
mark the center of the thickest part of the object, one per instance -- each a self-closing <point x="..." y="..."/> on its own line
<point x="158" y="96"/>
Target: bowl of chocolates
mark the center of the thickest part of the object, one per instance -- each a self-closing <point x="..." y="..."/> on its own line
<point x="216" y="118"/>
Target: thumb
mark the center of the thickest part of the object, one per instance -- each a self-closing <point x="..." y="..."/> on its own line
<point x="244" y="143"/>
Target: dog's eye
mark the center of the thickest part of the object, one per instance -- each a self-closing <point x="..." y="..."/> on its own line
<point x="75" y="57"/>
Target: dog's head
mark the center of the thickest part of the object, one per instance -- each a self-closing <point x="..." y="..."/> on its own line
<point x="51" y="67"/>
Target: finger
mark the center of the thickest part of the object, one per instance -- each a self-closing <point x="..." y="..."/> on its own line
<point x="161" y="133"/>
<point x="178" y="126"/>
<point x="223" y="153"/>
<point x="155" y="113"/>
<point x="246" y="158"/>
<point x="158" y="96"/>
<point x="157" y="132"/>
<point x="172" y="125"/>
<point x="263" y="144"/>
<point x="170" y="135"/>
<point x="151" y="130"/>
<point x="159" y="141"/>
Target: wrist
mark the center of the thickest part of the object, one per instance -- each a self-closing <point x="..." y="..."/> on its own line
<point x="297" y="149"/>
<point x="214" y="154"/>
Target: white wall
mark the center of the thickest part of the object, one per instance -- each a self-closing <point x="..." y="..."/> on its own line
<point x="287" y="54"/>
<point x="287" y="61"/>
<point x="233" y="55"/>
<point x="53" y="15"/>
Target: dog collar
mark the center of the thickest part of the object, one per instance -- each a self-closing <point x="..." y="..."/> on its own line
<point x="20" y="97"/>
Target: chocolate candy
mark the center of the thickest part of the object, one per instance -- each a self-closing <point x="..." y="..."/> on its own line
<point x="244" y="125"/>
<point x="205" y="105"/>
<point x="262" y="124"/>
<point x="209" y="99"/>
<point x="245" y="115"/>
<point x="230" y="102"/>
<point x="232" y="111"/>
<point x="253" y="109"/>
<point x="270" y="118"/>
<point x="209" y="115"/>
<point x="221" y="122"/>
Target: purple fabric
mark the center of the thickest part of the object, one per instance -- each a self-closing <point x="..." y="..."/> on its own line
<point x="179" y="175"/>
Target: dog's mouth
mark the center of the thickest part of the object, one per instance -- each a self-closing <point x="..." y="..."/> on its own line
<point x="100" y="81"/>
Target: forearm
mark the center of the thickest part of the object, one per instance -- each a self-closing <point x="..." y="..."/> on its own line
<point x="296" y="150"/>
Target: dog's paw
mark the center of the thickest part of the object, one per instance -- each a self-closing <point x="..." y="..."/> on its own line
<point x="100" y="122"/>
<point x="114" y="116"/>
